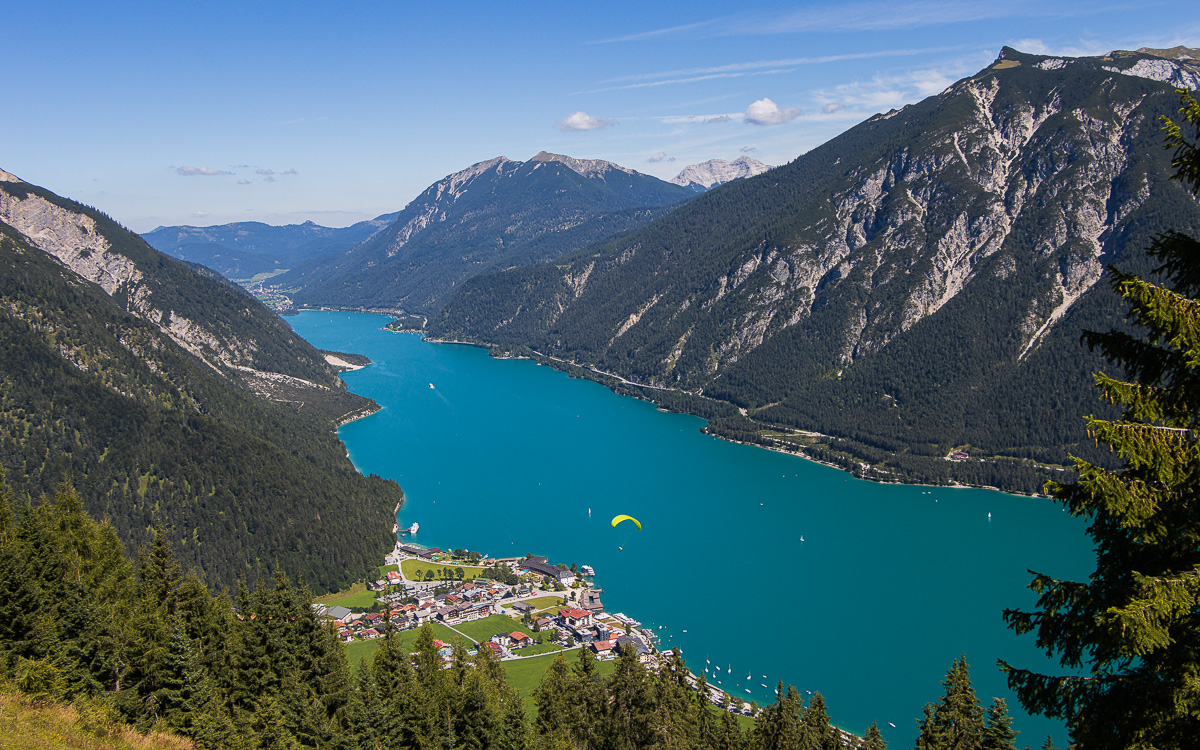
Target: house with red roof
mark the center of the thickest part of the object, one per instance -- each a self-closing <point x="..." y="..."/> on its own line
<point x="519" y="639"/>
<point x="576" y="618"/>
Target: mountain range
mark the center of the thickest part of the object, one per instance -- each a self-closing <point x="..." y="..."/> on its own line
<point x="170" y="398"/>
<point x="246" y="249"/>
<point x="493" y="215"/>
<point x="911" y="289"/>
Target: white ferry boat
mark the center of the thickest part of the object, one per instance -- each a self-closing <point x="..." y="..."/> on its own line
<point x="587" y="570"/>
<point x="413" y="529"/>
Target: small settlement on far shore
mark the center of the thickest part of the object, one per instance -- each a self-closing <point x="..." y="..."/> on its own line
<point x="560" y="605"/>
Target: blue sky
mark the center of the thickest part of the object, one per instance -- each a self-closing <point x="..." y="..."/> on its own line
<point x="166" y="113"/>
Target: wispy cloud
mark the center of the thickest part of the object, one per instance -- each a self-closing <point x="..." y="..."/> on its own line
<point x="884" y="92"/>
<point x="289" y="171"/>
<point x="582" y="121"/>
<point x="766" y="112"/>
<point x="703" y="119"/>
<point x="660" y="156"/>
<point x="750" y="68"/>
<point x="656" y="33"/>
<point x="243" y="182"/>
<point x="199" y="171"/>
<point x="747" y="149"/>
<point x="1078" y="49"/>
<point x="264" y="172"/>
<point x="875" y="15"/>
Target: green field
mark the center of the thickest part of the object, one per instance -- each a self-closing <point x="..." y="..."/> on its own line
<point x="414" y="570"/>
<point x="545" y="602"/>
<point x="483" y="629"/>
<point x="357" y="597"/>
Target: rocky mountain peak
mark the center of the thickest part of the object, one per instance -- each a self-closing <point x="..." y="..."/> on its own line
<point x="9" y="177"/>
<point x="709" y="174"/>
<point x="585" y="167"/>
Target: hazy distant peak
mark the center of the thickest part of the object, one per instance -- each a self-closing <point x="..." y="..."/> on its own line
<point x="713" y="172"/>
<point x="585" y="167"/>
<point x="9" y="177"/>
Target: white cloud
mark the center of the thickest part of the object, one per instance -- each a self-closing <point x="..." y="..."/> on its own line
<point x="582" y="121"/>
<point x="718" y="119"/>
<point x="832" y="107"/>
<point x="264" y="171"/>
<point x="748" y="149"/>
<point x="660" y="156"/>
<point x="766" y="112"/>
<point x="199" y="171"/>
<point x="289" y="171"/>
<point x="243" y="182"/>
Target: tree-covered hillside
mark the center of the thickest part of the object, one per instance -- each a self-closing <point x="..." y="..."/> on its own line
<point x="240" y="466"/>
<point x="911" y="288"/>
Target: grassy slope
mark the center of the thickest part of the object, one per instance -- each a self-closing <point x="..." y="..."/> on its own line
<point x="29" y="725"/>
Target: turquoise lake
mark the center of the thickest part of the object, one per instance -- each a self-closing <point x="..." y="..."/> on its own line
<point x="889" y="586"/>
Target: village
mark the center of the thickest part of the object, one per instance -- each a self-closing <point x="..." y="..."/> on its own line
<point x="518" y="607"/>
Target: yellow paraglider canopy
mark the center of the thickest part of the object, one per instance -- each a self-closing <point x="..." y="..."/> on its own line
<point x="619" y="519"/>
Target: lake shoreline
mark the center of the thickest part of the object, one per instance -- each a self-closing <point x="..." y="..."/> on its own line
<point x="598" y="376"/>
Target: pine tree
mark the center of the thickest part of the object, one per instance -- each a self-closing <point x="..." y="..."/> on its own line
<point x="630" y="720"/>
<point x="552" y="697"/>
<point x="779" y="726"/>
<point x="956" y="721"/>
<point x="1134" y="627"/>
<point x="998" y="733"/>
<point x="873" y="738"/>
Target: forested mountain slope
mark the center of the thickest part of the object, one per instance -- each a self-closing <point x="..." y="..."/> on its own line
<point x="914" y="286"/>
<point x="169" y="397"/>
<point x="493" y="215"/>
<point x="248" y="248"/>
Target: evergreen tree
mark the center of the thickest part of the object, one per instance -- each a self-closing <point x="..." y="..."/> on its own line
<point x="779" y="727"/>
<point x="956" y="721"/>
<point x="1134" y="627"/>
<point x="873" y="738"/>
<point x="552" y="697"/>
<point x="629" y="724"/>
<point x="998" y="733"/>
<point x="816" y="733"/>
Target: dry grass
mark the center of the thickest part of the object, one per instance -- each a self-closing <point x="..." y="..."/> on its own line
<point x="26" y="724"/>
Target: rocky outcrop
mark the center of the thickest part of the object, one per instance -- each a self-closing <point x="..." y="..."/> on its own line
<point x="82" y="243"/>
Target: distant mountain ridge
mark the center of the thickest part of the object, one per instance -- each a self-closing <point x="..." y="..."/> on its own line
<point x="169" y="397"/>
<point x="495" y="214"/>
<point x="893" y="288"/>
<point x="245" y="249"/>
<point x="714" y="172"/>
